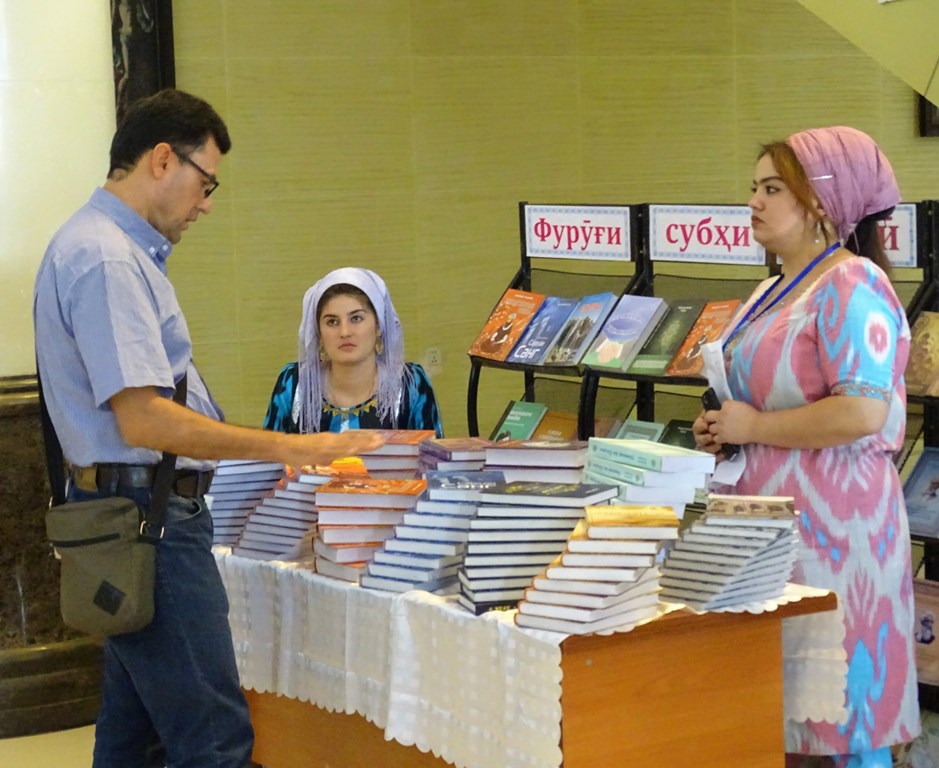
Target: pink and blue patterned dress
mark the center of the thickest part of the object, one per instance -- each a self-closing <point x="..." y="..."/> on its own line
<point x="846" y="335"/>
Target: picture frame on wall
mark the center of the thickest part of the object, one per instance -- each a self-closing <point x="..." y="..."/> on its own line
<point x="142" y="48"/>
<point x="925" y="615"/>
<point x="928" y="117"/>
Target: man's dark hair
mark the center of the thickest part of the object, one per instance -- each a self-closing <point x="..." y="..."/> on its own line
<point x="180" y="119"/>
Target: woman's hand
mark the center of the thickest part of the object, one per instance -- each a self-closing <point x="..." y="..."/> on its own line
<point x="701" y="429"/>
<point x="735" y="422"/>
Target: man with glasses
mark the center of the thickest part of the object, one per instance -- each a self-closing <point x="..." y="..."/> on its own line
<point x="111" y="346"/>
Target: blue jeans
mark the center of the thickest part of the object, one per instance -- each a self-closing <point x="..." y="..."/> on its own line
<point x="170" y="692"/>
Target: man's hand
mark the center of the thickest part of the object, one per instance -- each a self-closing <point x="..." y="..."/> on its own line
<point x="324" y="447"/>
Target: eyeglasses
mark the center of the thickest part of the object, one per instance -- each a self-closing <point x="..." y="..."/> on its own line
<point x="212" y="181"/>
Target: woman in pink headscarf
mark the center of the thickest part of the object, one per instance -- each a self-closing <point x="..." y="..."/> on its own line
<point x="815" y="363"/>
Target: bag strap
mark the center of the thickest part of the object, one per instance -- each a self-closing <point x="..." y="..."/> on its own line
<point x="55" y="465"/>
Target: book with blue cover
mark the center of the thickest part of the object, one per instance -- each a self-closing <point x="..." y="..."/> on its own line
<point x="626" y="329"/>
<point x="580" y="329"/>
<point x="539" y="334"/>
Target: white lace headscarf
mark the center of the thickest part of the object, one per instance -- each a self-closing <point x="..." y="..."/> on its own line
<point x="312" y="374"/>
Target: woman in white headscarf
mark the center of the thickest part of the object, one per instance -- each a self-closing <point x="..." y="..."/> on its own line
<point x="351" y="372"/>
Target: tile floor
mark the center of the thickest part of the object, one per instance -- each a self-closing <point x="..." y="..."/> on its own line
<point x="62" y="749"/>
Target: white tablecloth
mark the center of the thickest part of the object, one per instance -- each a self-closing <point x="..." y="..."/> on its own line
<point x="476" y="691"/>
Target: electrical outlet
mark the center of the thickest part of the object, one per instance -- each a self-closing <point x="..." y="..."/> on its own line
<point x="433" y="358"/>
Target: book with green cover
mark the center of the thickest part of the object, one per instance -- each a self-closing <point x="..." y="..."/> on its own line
<point x="519" y="420"/>
<point x="648" y="455"/>
<point x="665" y="341"/>
<point x="634" y="429"/>
<point x="678" y="432"/>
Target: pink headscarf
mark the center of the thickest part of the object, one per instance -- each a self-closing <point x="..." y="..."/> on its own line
<point x="850" y="175"/>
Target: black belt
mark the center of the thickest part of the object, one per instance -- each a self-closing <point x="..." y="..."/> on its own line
<point x="110" y="477"/>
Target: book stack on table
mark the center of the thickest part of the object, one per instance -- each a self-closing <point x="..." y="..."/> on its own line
<point x="282" y="525"/>
<point x="741" y="550"/>
<point x="356" y="515"/>
<point x="519" y="528"/>
<point x="397" y="459"/>
<point x="448" y="454"/>
<point x="427" y="547"/>
<point x="606" y="580"/>
<point x="236" y="489"/>
<point x="647" y="472"/>
<point x="549" y="461"/>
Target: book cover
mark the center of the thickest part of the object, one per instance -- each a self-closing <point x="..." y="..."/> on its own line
<point x="921" y="491"/>
<point x="778" y="507"/>
<point x="922" y="368"/>
<point x="625" y="330"/>
<point x="649" y="478"/>
<point x="708" y="327"/>
<point x="648" y="455"/>
<point x="634" y="429"/>
<point x="547" y="494"/>
<point x="369" y="492"/>
<point x="518" y="421"/>
<point x="526" y="523"/>
<point x="455" y="448"/>
<point x="625" y="521"/>
<point x="506" y="323"/>
<point x="678" y="432"/>
<point x="578" y="332"/>
<point x="400" y="442"/>
<point x="460" y="486"/>
<point x="538" y="453"/>
<point x="556" y="425"/>
<point x="663" y="344"/>
<point x="541" y="331"/>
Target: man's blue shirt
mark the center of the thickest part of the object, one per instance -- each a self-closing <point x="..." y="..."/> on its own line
<point x="107" y="318"/>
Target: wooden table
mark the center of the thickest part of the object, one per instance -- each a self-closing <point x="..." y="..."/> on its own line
<point x="697" y="690"/>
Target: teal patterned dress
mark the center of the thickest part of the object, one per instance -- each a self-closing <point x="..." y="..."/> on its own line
<point x="417" y="408"/>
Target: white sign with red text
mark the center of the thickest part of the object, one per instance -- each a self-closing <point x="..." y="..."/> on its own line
<point x="592" y="232"/>
<point x="714" y="234"/>
<point x="898" y="234"/>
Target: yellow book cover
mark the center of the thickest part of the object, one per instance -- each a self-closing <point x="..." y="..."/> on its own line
<point x="638" y="515"/>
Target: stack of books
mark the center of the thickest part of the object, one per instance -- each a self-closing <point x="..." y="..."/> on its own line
<point x="741" y="550"/>
<point x="236" y="489"/>
<point x="647" y="472"/>
<point x="453" y="453"/>
<point x="398" y="458"/>
<point x="550" y="461"/>
<point x="283" y="524"/>
<point x="428" y="545"/>
<point x="606" y="580"/>
<point x="519" y="528"/>
<point x="358" y="508"/>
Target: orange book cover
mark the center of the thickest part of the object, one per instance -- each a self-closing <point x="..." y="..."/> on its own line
<point x="707" y="328"/>
<point x="506" y="324"/>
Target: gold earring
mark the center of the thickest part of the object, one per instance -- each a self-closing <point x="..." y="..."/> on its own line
<point x="379" y="345"/>
<point x="819" y="228"/>
<point x="324" y="358"/>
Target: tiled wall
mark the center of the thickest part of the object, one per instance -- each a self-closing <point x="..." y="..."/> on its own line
<point x="400" y="135"/>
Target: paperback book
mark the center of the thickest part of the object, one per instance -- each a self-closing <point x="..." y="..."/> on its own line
<point x="625" y="330"/>
<point x="663" y="344"/>
<point x="579" y="330"/>
<point x="707" y="328"/>
<point x="506" y="323"/>
<point x="541" y="331"/>
<point x="518" y="421"/>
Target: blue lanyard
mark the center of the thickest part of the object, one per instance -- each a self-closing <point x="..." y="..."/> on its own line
<point x="756" y="304"/>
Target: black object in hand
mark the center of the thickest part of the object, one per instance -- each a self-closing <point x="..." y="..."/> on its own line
<point x="712" y="402"/>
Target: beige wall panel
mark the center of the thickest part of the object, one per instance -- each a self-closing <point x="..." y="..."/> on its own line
<point x="662" y="129"/>
<point x="261" y="363"/>
<point x="300" y="28"/>
<point x="198" y="30"/>
<point x="314" y="126"/>
<point x="285" y="246"/>
<point x="221" y="366"/>
<point x="657" y="28"/>
<point x="205" y="276"/>
<point x="787" y="30"/>
<point x="482" y="123"/>
<point x="494" y="27"/>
